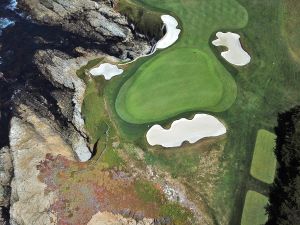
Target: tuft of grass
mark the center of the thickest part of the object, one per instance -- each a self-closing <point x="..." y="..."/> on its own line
<point x="178" y="214"/>
<point x="177" y="164"/>
<point x="111" y="159"/>
<point x="148" y="192"/>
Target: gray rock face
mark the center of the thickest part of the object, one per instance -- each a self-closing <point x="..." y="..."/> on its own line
<point x="93" y="19"/>
<point x="31" y="139"/>
<point x="6" y="168"/>
<point x="60" y="69"/>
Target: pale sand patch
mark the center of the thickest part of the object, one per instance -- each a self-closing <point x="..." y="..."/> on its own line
<point x="107" y="70"/>
<point x="172" y="33"/>
<point x="106" y="218"/>
<point x="235" y="55"/>
<point x="201" y="126"/>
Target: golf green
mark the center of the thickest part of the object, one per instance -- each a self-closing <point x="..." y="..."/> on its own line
<point x="187" y="76"/>
<point x="165" y="86"/>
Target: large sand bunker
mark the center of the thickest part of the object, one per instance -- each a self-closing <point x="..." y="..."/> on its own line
<point x="172" y="33"/>
<point x="201" y="126"/>
<point x="235" y="55"/>
<point x="107" y="70"/>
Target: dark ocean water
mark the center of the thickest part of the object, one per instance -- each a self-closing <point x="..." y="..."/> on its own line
<point x="8" y="19"/>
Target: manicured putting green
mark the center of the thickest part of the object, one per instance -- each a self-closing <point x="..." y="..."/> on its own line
<point x="165" y="86"/>
<point x="264" y="161"/>
<point x="187" y="76"/>
<point x="254" y="212"/>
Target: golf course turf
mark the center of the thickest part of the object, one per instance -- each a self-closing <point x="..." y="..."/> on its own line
<point x="165" y="86"/>
<point x="264" y="162"/>
<point x="254" y="209"/>
<point x="187" y="76"/>
<point x="216" y="172"/>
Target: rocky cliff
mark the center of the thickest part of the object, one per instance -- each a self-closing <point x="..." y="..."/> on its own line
<point x="92" y="19"/>
<point x="31" y="139"/>
<point x="60" y="69"/>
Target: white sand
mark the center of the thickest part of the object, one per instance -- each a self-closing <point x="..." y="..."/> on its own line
<point x="170" y="37"/>
<point x="235" y="55"/>
<point x="201" y="126"/>
<point x="172" y="33"/>
<point x="107" y="70"/>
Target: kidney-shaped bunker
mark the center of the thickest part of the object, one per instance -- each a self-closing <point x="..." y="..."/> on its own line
<point x="201" y="126"/>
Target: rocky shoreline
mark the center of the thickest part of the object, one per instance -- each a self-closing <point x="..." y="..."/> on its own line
<point x="91" y="19"/>
<point x="44" y="95"/>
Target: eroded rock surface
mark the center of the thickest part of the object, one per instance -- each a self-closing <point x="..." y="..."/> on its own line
<point x="95" y="20"/>
<point x="60" y="69"/>
<point x="31" y="139"/>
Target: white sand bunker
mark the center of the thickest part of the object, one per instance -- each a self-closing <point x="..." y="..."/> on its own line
<point x="172" y="33"/>
<point x="169" y="39"/>
<point x="201" y="126"/>
<point x="235" y="55"/>
<point x="107" y="70"/>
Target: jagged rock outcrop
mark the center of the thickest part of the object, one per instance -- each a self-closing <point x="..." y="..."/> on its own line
<point x="60" y="69"/>
<point x="92" y="19"/>
<point x="31" y="139"/>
